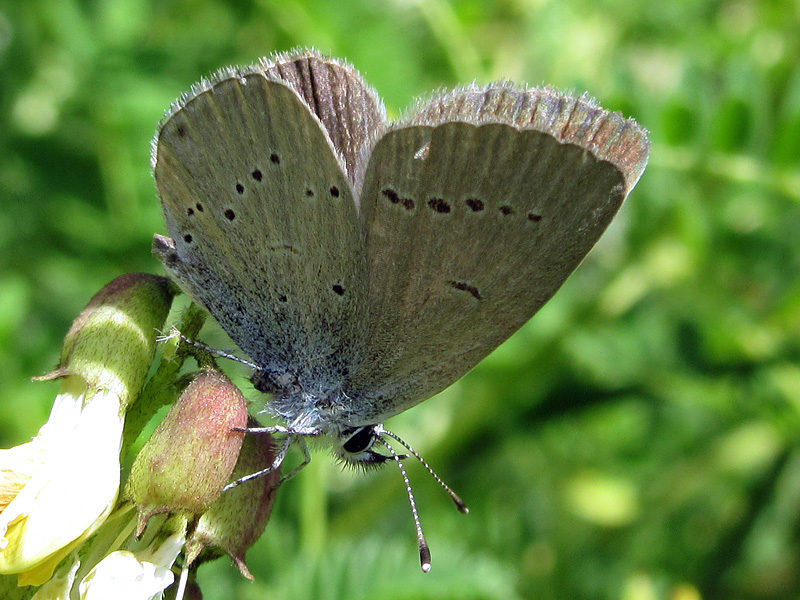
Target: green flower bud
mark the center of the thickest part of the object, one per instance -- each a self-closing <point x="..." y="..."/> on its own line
<point x="237" y="519"/>
<point x="191" y="454"/>
<point x="112" y="342"/>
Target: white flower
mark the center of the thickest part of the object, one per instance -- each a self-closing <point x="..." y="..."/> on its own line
<point x="126" y="575"/>
<point x="56" y="490"/>
<point x="60" y="584"/>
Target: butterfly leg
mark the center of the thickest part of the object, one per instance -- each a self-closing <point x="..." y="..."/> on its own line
<point x="306" y="459"/>
<point x="275" y="463"/>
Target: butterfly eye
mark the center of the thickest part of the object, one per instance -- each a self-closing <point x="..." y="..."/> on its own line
<point x="361" y="440"/>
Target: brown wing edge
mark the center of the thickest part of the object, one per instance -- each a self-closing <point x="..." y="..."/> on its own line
<point x="571" y="119"/>
<point x="351" y="118"/>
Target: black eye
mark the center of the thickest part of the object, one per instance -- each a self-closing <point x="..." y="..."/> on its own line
<point x="360" y="440"/>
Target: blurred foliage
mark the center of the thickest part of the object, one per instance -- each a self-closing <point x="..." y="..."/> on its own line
<point x="637" y="440"/>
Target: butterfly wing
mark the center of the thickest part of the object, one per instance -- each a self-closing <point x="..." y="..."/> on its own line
<point x="476" y="209"/>
<point x="263" y="222"/>
<point x="337" y="94"/>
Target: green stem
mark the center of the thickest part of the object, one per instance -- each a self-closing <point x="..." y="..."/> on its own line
<point x="163" y="385"/>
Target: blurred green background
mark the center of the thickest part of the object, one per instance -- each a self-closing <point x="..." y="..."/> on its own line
<point x="637" y="440"/>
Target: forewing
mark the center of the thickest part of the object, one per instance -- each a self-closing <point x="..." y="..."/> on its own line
<point x="476" y="210"/>
<point x="264" y="226"/>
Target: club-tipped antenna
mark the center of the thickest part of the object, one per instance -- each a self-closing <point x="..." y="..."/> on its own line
<point x="462" y="507"/>
<point x="424" y="550"/>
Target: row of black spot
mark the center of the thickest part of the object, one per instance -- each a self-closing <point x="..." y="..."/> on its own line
<point x="337" y="288"/>
<point x="229" y="214"/>
<point x="442" y="206"/>
<point x="257" y="175"/>
<point x="190" y="211"/>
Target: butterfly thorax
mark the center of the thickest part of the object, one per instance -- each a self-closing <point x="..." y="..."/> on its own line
<point x="317" y="410"/>
<point x="323" y="413"/>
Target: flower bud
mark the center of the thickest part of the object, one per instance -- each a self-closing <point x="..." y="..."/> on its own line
<point x="237" y="519"/>
<point x="112" y="342"/>
<point x="191" y="454"/>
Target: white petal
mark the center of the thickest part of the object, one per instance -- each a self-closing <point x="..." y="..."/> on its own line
<point x="59" y="586"/>
<point x="122" y="576"/>
<point x="73" y="487"/>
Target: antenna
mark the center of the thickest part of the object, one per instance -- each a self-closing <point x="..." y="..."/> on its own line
<point x="212" y="351"/>
<point x="462" y="507"/>
<point x="424" y="550"/>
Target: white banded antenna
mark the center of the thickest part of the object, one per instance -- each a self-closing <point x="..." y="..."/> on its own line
<point x="424" y="550"/>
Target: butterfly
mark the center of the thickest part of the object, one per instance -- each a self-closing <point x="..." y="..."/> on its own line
<point x="365" y="264"/>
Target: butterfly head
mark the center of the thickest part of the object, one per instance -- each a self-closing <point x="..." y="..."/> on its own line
<point x="355" y="447"/>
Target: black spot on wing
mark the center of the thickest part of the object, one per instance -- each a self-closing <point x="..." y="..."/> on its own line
<point x="475" y="204"/>
<point x="439" y="205"/>
<point x="394" y="198"/>
<point x="465" y="287"/>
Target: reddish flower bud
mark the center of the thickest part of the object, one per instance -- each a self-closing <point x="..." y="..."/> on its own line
<point x="191" y="455"/>
<point x="237" y="519"/>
